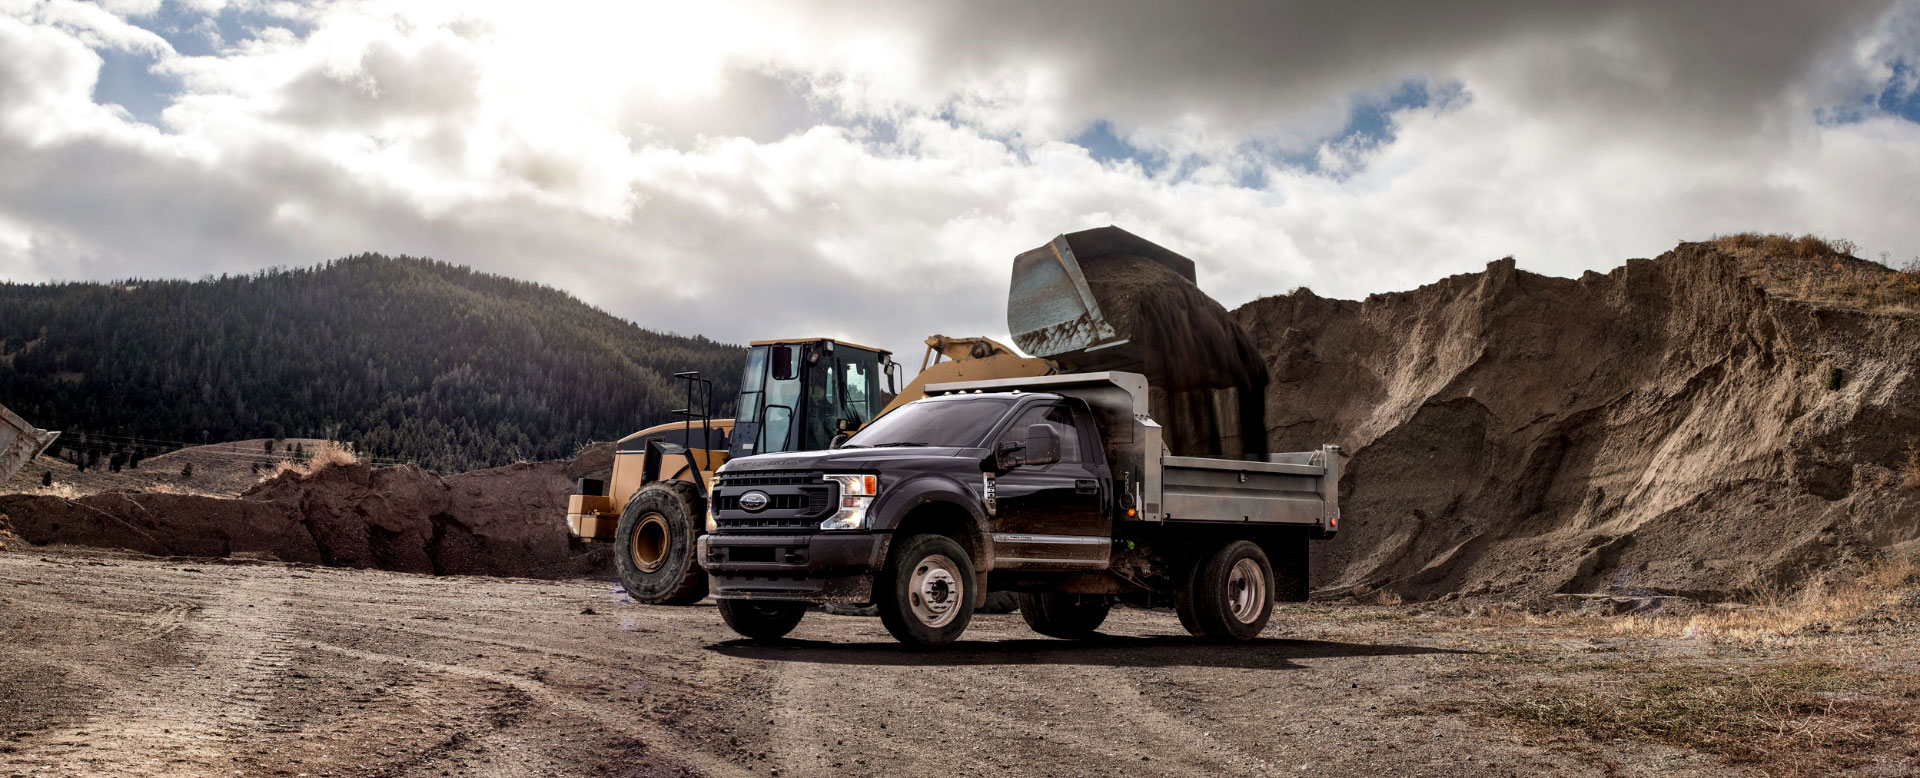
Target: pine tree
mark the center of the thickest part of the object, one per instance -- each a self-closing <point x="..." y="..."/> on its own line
<point x="186" y="472"/>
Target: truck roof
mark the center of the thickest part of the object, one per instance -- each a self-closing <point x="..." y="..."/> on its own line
<point x="1072" y="384"/>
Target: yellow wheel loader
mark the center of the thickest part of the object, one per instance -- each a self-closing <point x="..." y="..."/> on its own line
<point x="795" y="395"/>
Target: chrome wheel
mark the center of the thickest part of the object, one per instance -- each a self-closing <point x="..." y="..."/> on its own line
<point x="1246" y="591"/>
<point x="935" y="591"/>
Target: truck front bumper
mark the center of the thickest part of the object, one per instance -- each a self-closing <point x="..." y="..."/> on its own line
<point x="823" y="567"/>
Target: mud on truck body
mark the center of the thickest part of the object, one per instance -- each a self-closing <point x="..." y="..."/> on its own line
<point x="1058" y="488"/>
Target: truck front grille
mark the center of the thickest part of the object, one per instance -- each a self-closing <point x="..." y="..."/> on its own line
<point x="767" y="478"/>
<point x="813" y="501"/>
<point x="796" y="501"/>
<point x="779" y="524"/>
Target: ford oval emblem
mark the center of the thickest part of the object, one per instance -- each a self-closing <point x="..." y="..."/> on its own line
<point x="754" y="501"/>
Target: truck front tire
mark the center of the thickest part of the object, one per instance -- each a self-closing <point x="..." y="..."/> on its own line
<point x="927" y="591"/>
<point x="653" y="546"/>
<point x="1230" y="594"/>
<point x="1059" y="615"/>
<point x="762" y="620"/>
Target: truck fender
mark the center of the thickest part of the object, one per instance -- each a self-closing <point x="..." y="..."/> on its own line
<point x="902" y="499"/>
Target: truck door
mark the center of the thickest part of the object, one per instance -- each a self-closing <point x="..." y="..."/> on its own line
<point x="1049" y="516"/>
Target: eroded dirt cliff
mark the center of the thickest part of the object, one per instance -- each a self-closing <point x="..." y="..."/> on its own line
<point x="1671" y="426"/>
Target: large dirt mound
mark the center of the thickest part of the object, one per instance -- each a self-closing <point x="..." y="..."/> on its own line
<point x="503" y="521"/>
<point x="1670" y="426"/>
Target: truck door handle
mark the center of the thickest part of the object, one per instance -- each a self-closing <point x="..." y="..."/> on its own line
<point x="1086" y="486"/>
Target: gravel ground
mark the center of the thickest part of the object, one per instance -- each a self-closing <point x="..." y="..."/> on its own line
<point x="125" y="666"/>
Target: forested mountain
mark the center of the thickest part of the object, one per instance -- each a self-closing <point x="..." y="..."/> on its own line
<point x="408" y="359"/>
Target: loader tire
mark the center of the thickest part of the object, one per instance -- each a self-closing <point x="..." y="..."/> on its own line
<point x="761" y="620"/>
<point x="653" y="546"/>
<point x="1230" y="596"/>
<point x="1068" y="616"/>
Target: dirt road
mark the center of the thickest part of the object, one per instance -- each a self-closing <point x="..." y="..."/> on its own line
<point x="116" y="665"/>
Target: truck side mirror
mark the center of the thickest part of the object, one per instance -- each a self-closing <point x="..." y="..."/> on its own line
<point x="1008" y="455"/>
<point x="1043" y="445"/>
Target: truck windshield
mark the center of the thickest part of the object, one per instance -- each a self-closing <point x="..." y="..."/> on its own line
<point x="940" y="421"/>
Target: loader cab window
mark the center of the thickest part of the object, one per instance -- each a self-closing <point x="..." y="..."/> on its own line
<point x="823" y="401"/>
<point x="769" y="399"/>
<point x="863" y="386"/>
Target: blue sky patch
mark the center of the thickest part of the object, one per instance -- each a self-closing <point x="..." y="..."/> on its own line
<point x="127" y="78"/>
<point x="1899" y="96"/>
<point x="1369" y="124"/>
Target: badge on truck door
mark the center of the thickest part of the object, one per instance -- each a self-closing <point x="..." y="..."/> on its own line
<point x="987" y="493"/>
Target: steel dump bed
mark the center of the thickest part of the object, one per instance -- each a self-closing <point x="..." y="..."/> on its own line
<point x="1296" y="488"/>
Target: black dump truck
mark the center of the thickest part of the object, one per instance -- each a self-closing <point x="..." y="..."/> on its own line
<point x="1057" y="488"/>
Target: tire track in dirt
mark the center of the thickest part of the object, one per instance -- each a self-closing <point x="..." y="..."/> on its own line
<point x="618" y="721"/>
<point x="895" y="715"/>
<point x="180" y="717"/>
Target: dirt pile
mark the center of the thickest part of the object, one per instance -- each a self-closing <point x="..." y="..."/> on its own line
<point x="1668" y="427"/>
<point x="503" y="521"/>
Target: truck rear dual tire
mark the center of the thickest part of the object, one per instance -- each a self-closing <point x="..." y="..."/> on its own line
<point x="1229" y="594"/>
<point x="653" y="545"/>
<point x="1069" y="616"/>
<point x="927" y="592"/>
<point x="761" y="620"/>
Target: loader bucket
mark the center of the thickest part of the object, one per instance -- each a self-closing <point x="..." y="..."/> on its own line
<point x="1106" y="299"/>
<point x="1052" y="309"/>
<point x="20" y="442"/>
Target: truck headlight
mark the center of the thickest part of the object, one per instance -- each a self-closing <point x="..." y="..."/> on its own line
<point x="856" y="494"/>
<point x="713" y="523"/>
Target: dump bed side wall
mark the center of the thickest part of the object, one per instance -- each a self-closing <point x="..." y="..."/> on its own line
<point x="1218" y="490"/>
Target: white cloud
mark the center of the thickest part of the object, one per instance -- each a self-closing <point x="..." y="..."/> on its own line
<point x="765" y="169"/>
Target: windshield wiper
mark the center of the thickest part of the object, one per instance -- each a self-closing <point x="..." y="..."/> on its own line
<point x="900" y="445"/>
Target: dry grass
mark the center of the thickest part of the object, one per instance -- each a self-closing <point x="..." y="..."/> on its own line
<point x="1817" y="607"/>
<point x="164" y="488"/>
<point x="1809" y="267"/>
<point x="1795" y="718"/>
<point x="325" y="455"/>
<point x="62" y="490"/>
<point x="1910" y="470"/>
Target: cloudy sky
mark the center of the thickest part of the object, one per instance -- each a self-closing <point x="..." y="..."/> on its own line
<point x="867" y="170"/>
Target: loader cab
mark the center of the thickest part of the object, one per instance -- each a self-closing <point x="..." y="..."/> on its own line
<point x="796" y="395"/>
